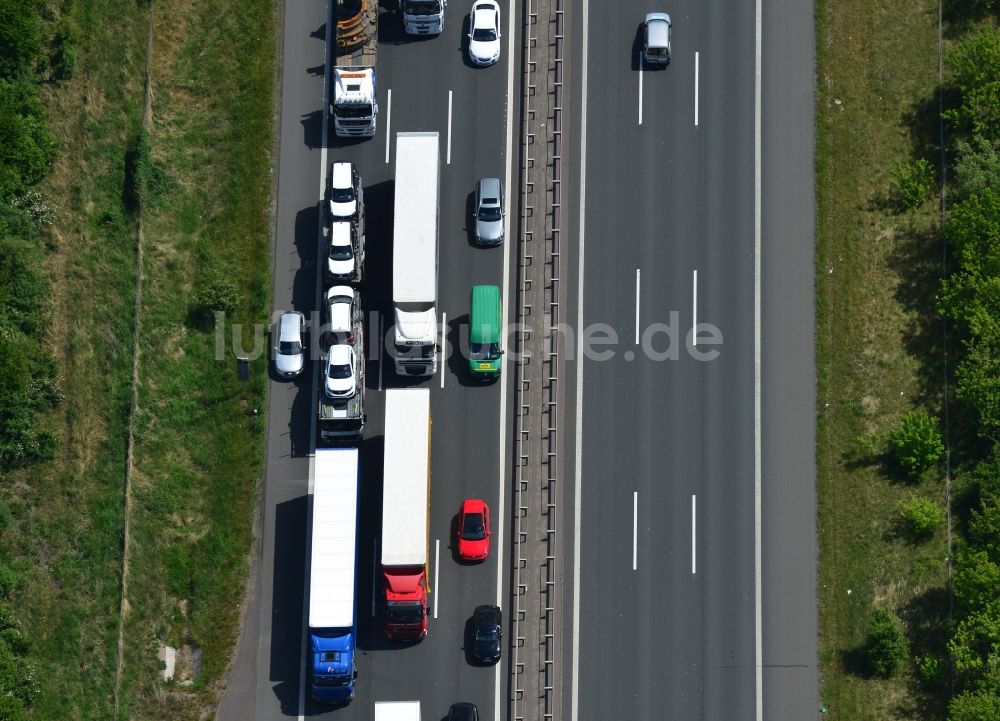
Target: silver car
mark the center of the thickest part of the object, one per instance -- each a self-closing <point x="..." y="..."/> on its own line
<point x="289" y="352"/>
<point x="489" y="212"/>
<point x="656" y="39"/>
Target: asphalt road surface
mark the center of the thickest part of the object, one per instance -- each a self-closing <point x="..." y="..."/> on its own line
<point x="695" y="577"/>
<point x="432" y="87"/>
<point x="696" y="594"/>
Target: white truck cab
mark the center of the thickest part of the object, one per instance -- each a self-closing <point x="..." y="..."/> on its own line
<point x="423" y="17"/>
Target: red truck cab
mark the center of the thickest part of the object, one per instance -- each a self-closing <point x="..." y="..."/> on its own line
<point x="406" y="606"/>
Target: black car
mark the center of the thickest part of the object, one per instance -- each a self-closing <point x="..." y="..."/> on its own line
<point x="463" y="712"/>
<point x="487" y="632"/>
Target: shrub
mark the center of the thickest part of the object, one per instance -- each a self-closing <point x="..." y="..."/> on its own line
<point x="977" y="168"/>
<point x="887" y="647"/>
<point x="219" y="295"/>
<point x="912" y="183"/>
<point x="23" y="286"/>
<point x="22" y="367"/>
<point x="975" y="65"/>
<point x="20" y="37"/>
<point x="930" y="668"/>
<point x="985" y="477"/>
<point x="26" y="148"/>
<point x="148" y="183"/>
<point x="16" y="221"/>
<point x="979" y="706"/>
<point x="63" y="55"/>
<point x="916" y="444"/>
<point x="977" y="578"/>
<point x="984" y="527"/>
<point x="921" y="515"/>
<point x="8" y="579"/>
<point x="36" y="206"/>
<point x="976" y="636"/>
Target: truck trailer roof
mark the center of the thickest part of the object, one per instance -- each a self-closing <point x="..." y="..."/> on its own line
<point x="406" y="476"/>
<point x="415" y="218"/>
<point x="334" y="538"/>
<point x="397" y="711"/>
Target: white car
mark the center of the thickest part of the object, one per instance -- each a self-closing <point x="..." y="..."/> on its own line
<point x="340" y="262"/>
<point x="340" y="376"/>
<point x="343" y="186"/>
<point x="341" y="311"/>
<point x="484" y="32"/>
<point x="289" y="352"/>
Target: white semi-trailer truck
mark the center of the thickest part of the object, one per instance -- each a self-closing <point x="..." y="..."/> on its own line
<point x="415" y="253"/>
<point x="354" y="101"/>
<point x="397" y="711"/>
<point x="333" y="572"/>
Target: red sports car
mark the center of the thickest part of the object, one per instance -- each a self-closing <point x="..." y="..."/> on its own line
<point x="473" y="530"/>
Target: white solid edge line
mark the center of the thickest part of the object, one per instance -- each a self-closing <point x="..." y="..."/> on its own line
<point x="635" y="529"/>
<point x="388" y="122"/>
<point x="758" y="611"/>
<point x="506" y="324"/>
<point x="437" y="567"/>
<point x="696" y="58"/>
<point x="578" y="451"/>
<point x="324" y="141"/>
<point x="694" y="309"/>
<point x="381" y="340"/>
<point x="640" y="87"/>
<point x="448" y="159"/>
<point x="637" y="306"/>
<point x="444" y="324"/>
<point x="694" y="534"/>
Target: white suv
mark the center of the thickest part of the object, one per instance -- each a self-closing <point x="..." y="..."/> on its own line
<point x="341" y="311"/>
<point x="340" y="372"/>
<point x="343" y="191"/>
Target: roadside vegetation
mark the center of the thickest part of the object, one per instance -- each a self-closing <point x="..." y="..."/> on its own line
<point x="78" y="172"/>
<point x="907" y="299"/>
<point x="205" y="188"/>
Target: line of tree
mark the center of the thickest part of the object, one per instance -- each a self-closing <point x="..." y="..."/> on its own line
<point x="27" y="371"/>
<point x="32" y="53"/>
<point x="970" y="299"/>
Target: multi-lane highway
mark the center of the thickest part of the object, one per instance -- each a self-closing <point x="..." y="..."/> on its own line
<point x="693" y="577"/>
<point x="690" y="592"/>
<point x="423" y="85"/>
<point x="667" y="454"/>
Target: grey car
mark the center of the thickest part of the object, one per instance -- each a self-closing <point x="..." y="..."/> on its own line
<point x="656" y="39"/>
<point x="289" y="352"/>
<point x="489" y="212"/>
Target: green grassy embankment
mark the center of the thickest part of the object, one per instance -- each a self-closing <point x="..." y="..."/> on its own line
<point x="878" y="346"/>
<point x="202" y="171"/>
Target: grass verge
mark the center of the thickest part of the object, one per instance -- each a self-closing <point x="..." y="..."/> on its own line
<point x="878" y="347"/>
<point x="204" y="166"/>
<point x="198" y="444"/>
<point x="67" y="515"/>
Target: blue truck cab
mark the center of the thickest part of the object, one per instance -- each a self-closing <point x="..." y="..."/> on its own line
<point x="333" y="671"/>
